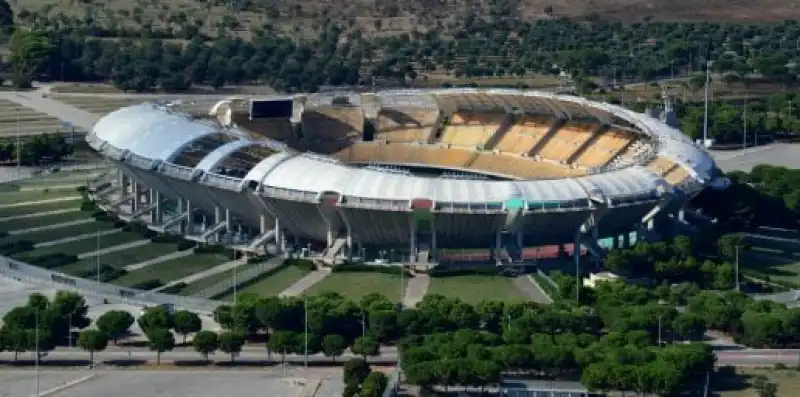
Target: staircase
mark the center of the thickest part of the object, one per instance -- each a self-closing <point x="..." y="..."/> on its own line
<point x="123" y="200"/>
<point x="260" y="240"/>
<point x="596" y="134"/>
<point x="172" y="222"/>
<point x="330" y="253"/>
<point x="508" y="122"/>
<point x="557" y="124"/>
<point x="213" y="230"/>
<point x="143" y="211"/>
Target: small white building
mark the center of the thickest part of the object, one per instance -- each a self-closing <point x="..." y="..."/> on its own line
<point x="595" y="278"/>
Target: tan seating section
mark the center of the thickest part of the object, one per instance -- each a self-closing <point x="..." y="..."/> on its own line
<point x="661" y="166"/>
<point x="408" y="154"/>
<point x="676" y="176"/>
<point x="604" y="148"/>
<point x="522" y="167"/>
<point x="396" y="125"/>
<point x="471" y="130"/>
<point x="566" y="141"/>
<point x="331" y="123"/>
<point x="524" y="135"/>
<point x="278" y="129"/>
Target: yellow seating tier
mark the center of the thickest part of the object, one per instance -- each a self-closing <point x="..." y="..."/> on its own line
<point x="676" y="176"/>
<point x="333" y="123"/>
<point x="661" y="165"/>
<point x="409" y="154"/>
<point x="604" y="148"/>
<point x="405" y="125"/>
<point x="522" y="167"/>
<point x="471" y="130"/>
<point x="524" y="135"/>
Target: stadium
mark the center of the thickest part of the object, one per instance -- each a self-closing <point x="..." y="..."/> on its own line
<point x="420" y="173"/>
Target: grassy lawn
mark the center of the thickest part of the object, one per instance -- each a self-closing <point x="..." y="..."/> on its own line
<point x="741" y="385"/>
<point x="173" y="269"/>
<point x="355" y="285"/>
<point x="36" y="208"/>
<point x="61" y="178"/>
<point x="778" y="259"/>
<point x="64" y="232"/>
<point x="272" y="284"/>
<point x="36" y="195"/>
<point x="213" y="279"/>
<point x="84" y="245"/>
<point x="121" y="258"/>
<point x="473" y="289"/>
<point x="46" y="220"/>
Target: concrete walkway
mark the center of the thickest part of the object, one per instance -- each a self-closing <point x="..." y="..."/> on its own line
<point x="38" y="214"/>
<point x="36" y="100"/>
<point x="205" y="273"/>
<point x="48" y="201"/>
<point x="50" y="227"/>
<point x="162" y="258"/>
<point x="306" y="282"/>
<point x="528" y="286"/>
<point x="416" y="288"/>
<point x="115" y="248"/>
<point x="75" y="238"/>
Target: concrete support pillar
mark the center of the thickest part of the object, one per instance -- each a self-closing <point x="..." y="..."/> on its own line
<point x="498" y="240"/>
<point x="217" y="215"/>
<point x="615" y="242"/>
<point x="189" y="218"/>
<point x="520" y="240"/>
<point x="349" y="245"/>
<point x="626" y="240"/>
<point x="228" y="227"/>
<point x="155" y="200"/>
<point x="434" y="247"/>
<point x="330" y="237"/>
<point x="562" y="250"/>
<point x="262" y="225"/>
<point x="137" y="197"/>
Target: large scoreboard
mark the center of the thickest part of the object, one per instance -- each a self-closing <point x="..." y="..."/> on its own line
<point x="271" y="109"/>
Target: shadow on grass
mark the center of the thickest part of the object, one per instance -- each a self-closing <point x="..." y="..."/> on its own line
<point x="769" y="264"/>
<point x="727" y="379"/>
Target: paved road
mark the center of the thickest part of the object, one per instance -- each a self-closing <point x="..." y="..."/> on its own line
<point x="252" y="354"/>
<point x="531" y="289"/>
<point x="780" y="154"/>
<point x="256" y="354"/>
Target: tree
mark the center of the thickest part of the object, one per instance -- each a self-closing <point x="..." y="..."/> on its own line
<point x="223" y="315"/>
<point x="161" y="340"/>
<point x="231" y="343"/>
<point x="205" y="342"/>
<point x="15" y="340"/>
<point x="333" y="346"/>
<point x="283" y="342"/>
<point x="374" y="385"/>
<point x="93" y="340"/>
<point x="186" y="322"/>
<point x="115" y="323"/>
<point x="30" y="48"/>
<point x="366" y="346"/>
<point x="355" y="370"/>
<point x="155" y="318"/>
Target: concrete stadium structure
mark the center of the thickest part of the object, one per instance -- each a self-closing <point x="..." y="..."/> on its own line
<point x="412" y="171"/>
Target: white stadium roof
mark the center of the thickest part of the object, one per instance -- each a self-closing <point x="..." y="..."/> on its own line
<point x="158" y="134"/>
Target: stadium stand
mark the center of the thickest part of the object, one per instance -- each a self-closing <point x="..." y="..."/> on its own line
<point x="566" y="141"/>
<point x="471" y="130"/>
<point x="333" y="123"/>
<point x="521" y="167"/>
<point x="661" y="166"/>
<point x="278" y="129"/>
<point x="676" y="176"/>
<point x="193" y="153"/>
<point x="409" y="125"/>
<point x="524" y="135"/>
<point x="605" y="148"/>
<point x="241" y="161"/>
<point x="376" y="152"/>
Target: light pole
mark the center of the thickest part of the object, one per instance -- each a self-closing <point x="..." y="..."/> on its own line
<point x="97" y="259"/>
<point x="36" y="342"/>
<point x="18" y="145"/>
<point x="744" y="135"/>
<point x="305" y="325"/>
<point x="661" y="304"/>
<point x="736" y="268"/>
<point x="363" y="324"/>
<point x="705" y="114"/>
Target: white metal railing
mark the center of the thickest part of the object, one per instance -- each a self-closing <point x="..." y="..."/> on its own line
<point x="30" y="274"/>
<point x="176" y="171"/>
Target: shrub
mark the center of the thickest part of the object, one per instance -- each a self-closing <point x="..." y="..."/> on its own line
<point x="82" y="189"/>
<point x="11" y="247"/>
<point x="215" y="249"/>
<point x="51" y="261"/>
<point x="148" y="284"/>
<point x="107" y="273"/>
<point x="174" y="289"/>
<point x="118" y="224"/>
<point x="3" y="234"/>
<point x="185" y="245"/>
<point x="168" y="238"/>
<point x="88" y="205"/>
<point x="371" y="268"/>
<point x="303" y="264"/>
<point x="451" y="272"/>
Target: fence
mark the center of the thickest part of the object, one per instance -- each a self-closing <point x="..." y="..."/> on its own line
<point x="38" y="276"/>
<point x="245" y="276"/>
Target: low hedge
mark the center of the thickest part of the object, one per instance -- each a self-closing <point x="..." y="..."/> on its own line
<point x="52" y="261"/>
<point x="175" y="288"/>
<point x="140" y="229"/>
<point x="88" y="205"/>
<point x="11" y="247"/>
<point x="107" y="273"/>
<point x="168" y="238"/>
<point x="303" y="264"/>
<point x="148" y="284"/>
<point x="3" y="234"/>
<point x="396" y="270"/>
<point x="82" y="189"/>
<point x="215" y="249"/>
<point x="185" y="245"/>
<point x="453" y="272"/>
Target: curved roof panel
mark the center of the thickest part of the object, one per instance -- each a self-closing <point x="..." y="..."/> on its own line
<point x="553" y="190"/>
<point x="374" y="184"/>
<point x="307" y="173"/>
<point x="257" y="173"/>
<point x="150" y="131"/>
<point x="621" y="183"/>
<point x="215" y="157"/>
